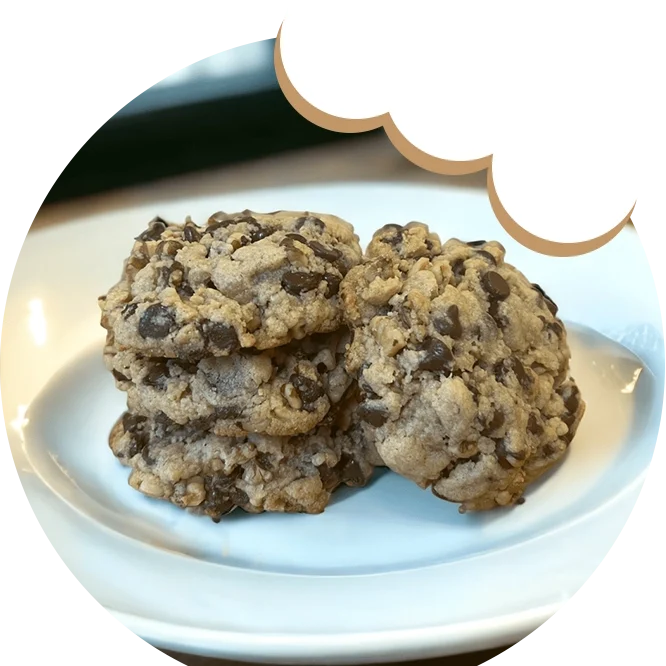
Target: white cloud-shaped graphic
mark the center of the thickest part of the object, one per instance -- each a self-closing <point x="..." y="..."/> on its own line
<point x="459" y="82"/>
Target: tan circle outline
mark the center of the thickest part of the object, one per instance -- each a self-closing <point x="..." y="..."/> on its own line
<point x="436" y="165"/>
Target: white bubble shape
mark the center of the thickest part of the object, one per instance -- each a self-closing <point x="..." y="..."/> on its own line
<point x="568" y="164"/>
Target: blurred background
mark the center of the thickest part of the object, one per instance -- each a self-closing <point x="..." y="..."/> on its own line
<point x="217" y="125"/>
<point x="219" y="111"/>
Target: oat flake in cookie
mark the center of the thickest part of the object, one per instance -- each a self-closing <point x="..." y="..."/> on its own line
<point x="463" y="366"/>
<point x="214" y="475"/>
<point x="242" y="280"/>
<point x="286" y="390"/>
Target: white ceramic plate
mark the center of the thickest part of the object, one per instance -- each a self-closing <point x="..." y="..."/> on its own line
<point x="388" y="572"/>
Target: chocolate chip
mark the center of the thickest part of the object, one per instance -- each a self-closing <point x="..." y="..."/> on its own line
<point x="521" y="374"/>
<point x="185" y="291"/>
<point x="237" y="243"/>
<point x="229" y="411"/>
<point x="308" y="390"/>
<point x="429" y="245"/>
<point x="498" y="317"/>
<point x="190" y="234"/>
<point x="548" y="450"/>
<point x="154" y="231"/>
<point x="157" y="374"/>
<point x="502" y="368"/>
<point x="332" y="284"/>
<point x="438" y="357"/>
<point x="375" y="415"/>
<point x="222" y="336"/>
<point x="496" y="422"/>
<point x="156" y="321"/>
<point x="217" y="225"/>
<point x="187" y="366"/>
<point x="133" y="422"/>
<point x="164" y="423"/>
<point x="502" y="455"/>
<point x="556" y="327"/>
<point x="220" y="216"/>
<point x="264" y="461"/>
<point x="128" y="310"/>
<point x="538" y="288"/>
<point x="389" y="227"/>
<point x="520" y="501"/>
<point x="476" y="243"/>
<point x="219" y="490"/>
<point x="246" y="218"/>
<point x="297" y="282"/>
<point x="550" y="304"/>
<point x="458" y="268"/>
<point x="297" y="237"/>
<point x="330" y="476"/>
<point x="324" y="251"/>
<point x="488" y="256"/>
<point x="218" y="504"/>
<point x="311" y="220"/>
<point x="495" y="285"/>
<point x="138" y="440"/>
<point x="351" y="473"/>
<point x="145" y="454"/>
<point x="258" y="232"/>
<point x="533" y="425"/>
<point x="219" y="220"/>
<point x="322" y="368"/>
<point x="119" y="376"/>
<point x="448" y="323"/>
<point x="572" y="402"/>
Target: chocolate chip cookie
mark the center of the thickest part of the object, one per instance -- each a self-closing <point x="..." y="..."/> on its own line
<point x="282" y="391"/>
<point x="244" y="280"/>
<point x="214" y="475"/>
<point x="463" y="366"/>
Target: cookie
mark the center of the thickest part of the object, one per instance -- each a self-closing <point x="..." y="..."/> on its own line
<point x="282" y="391"/>
<point x="214" y="475"/>
<point x="463" y="366"/>
<point x="246" y="280"/>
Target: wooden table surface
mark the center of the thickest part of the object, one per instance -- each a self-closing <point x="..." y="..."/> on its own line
<point x="355" y="159"/>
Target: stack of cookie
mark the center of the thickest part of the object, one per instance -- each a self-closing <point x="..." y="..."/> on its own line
<point x="229" y="340"/>
<point x="266" y="361"/>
